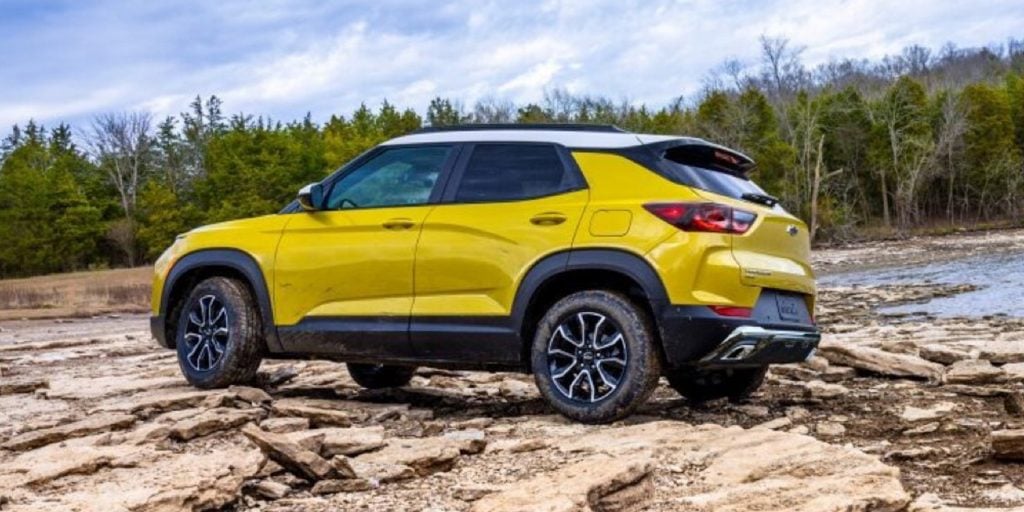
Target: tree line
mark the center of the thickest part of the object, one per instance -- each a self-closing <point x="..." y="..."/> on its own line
<point x="919" y="137"/>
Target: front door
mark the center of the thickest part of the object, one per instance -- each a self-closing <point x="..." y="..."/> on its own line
<point x="344" y="275"/>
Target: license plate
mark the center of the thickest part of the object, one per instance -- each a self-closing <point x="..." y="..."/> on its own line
<point x="791" y="309"/>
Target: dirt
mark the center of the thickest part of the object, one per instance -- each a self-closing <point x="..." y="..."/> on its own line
<point x="897" y="415"/>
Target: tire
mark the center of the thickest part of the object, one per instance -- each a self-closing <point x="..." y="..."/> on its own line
<point x="231" y="331"/>
<point x="702" y="386"/>
<point x="379" y="376"/>
<point x="565" y="363"/>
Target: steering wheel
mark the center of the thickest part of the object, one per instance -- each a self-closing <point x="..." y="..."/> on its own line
<point x="349" y="201"/>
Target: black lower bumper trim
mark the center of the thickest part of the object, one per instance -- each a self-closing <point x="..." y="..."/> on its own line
<point x="156" y="327"/>
<point x="690" y="334"/>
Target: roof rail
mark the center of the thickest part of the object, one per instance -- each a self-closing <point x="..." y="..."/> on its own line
<point x="566" y="127"/>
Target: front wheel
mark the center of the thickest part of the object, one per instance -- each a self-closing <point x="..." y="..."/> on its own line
<point x="699" y="386"/>
<point x="594" y="356"/>
<point x="379" y="376"/>
<point x="219" y="335"/>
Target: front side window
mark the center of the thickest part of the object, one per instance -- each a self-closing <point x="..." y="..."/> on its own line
<point x="509" y="172"/>
<point x="396" y="177"/>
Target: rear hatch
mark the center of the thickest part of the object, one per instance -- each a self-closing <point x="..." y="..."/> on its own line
<point x="775" y="252"/>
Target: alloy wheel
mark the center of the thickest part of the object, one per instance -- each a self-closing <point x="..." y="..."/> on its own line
<point x="587" y="357"/>
<point x="207" y="333"/>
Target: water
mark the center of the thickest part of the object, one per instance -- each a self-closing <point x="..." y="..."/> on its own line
<point x="999" y="278"/>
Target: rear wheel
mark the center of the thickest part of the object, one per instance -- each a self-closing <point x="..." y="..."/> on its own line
<point x="378" y="376"/>
<point x="704" y="385"/>
<point x="594" y="356"/>
<point x="218" y="338"/>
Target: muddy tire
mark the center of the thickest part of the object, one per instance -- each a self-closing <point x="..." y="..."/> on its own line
<point x="379" y="376"/>
<point x="594" y="356"/>
<point x="219" y="336"/>
<point x="705" y="385"/>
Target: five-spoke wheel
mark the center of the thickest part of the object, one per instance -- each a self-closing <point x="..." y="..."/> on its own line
<point x="219" y="334"/>
<point x="587" y="356"/>
<point x="206" y="334"/>
<point x="594" y="357"/>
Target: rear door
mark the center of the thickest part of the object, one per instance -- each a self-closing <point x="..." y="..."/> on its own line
<point x="507" y="206"/>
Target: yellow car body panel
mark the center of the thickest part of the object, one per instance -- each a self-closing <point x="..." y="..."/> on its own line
<point x="696" y="268"/>
<point x="775" y="253"/>
<point x="256" y="237"/>
<point x="353" y="262"/>
<point x="472" y="257"/>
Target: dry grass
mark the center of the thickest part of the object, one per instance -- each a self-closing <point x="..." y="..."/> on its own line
<point x="77" y="294"/>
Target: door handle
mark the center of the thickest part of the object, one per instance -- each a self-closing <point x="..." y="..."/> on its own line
<point x="548" y="219"/>
<point x="398" y="224"/>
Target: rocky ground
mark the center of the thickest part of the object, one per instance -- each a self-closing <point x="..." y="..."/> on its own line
<point x="895" y="413"/>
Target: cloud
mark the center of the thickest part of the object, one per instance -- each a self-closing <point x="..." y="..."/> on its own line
<point x="66" y="61"/>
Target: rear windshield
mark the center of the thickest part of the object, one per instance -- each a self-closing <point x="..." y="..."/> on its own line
<point x="708" y="169"/>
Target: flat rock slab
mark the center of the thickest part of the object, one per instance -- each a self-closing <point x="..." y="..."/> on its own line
<point x="1008" y="444"/>
<point x="317" y="416"/>
<point x="13" y="386"/>
<point x="284" y="425"/>
<point x="580" y="486"/>
<point x="290" y="455"/>
<point x="329" y="442"/>
<point x="213" y="420"/>
<point x="942" y="354"/>
<point x="423" y="455"/>
<point x="913" y="414"/>
<point x="91" y="425"/>
<point x="881" y="362"/>
<point x="141" y="479"/>
<point x="974" y="371"/>
<point x="53" y="462"/>
<point x="1002" y="351"/>
<point x="723" y="469"/>
<point x="84" y="388"/>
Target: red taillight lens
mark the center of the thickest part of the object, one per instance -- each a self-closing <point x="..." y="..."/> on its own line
<point x="706" y="217"/>
<point x="732" y="311"/>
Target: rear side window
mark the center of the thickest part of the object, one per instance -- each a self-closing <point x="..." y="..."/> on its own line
<point x="707" y="169"/>
<point x="509" y="172"/>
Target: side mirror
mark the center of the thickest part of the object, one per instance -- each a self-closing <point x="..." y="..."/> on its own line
<point x="311" y="197"/>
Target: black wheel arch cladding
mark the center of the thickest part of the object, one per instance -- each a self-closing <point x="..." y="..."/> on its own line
<point x="200" y="262"/>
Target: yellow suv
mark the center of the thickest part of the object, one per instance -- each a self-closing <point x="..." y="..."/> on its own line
<point x="599" y="260"/>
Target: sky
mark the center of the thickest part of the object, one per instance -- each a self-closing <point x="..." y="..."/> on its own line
<point x="68" y="60"/>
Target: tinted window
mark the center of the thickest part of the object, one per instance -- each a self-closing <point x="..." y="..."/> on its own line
<point x="396" y="177"/>
<point x="710" y="169"/>
<point x="715" y="181"/>
<point x="507" y="172"/>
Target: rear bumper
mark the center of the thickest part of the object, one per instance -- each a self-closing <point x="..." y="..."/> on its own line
<point x="696" y="336"/>
<point x="755" y="345"/>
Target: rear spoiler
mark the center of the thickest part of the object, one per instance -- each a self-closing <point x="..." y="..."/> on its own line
<point x="713" y="157"/>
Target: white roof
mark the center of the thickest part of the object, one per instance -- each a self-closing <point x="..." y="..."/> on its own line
<point x="568" y="138"/>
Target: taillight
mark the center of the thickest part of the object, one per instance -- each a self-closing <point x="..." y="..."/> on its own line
<point x="706" y="217"/>
<point x="732" y="311"/>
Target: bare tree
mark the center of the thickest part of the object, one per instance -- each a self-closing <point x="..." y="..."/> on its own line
<point x="493" y="110"/>
<point x="949" y="147"/>
<point x="783" y="72"/>
<point x="122" y="145"/>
